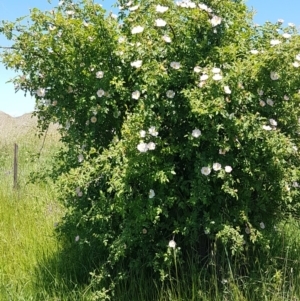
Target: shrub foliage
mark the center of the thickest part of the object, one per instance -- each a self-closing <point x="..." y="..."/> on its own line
<point x="180" y="124"/>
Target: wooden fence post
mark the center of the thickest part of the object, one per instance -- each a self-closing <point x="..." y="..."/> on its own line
<point x="16" y="166"/>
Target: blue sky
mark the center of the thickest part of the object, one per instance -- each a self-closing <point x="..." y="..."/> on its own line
<point x="16" y="104"/>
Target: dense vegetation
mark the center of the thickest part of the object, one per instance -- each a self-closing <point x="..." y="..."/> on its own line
<point x="179" y="123"/>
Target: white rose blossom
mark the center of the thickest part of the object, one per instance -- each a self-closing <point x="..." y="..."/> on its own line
<point x="197" y="69"/>
<point x="161" y="9"/>
<point x="217" y="77"/>
<point x="273" y="122"/>
<point x="160" y="23"/>
<point x="99" y="74"/>
<point x="296" y="65"/>
<point x="196" y="133"/>
<point x="274" y="75"/>
<point x="266" y="127"/>
<point x="254" y="51"/>
<point x="287" y="35"/>
<point x="215" y="21"/>
<point x="137" y="29"/>
<point x="142" y="147"/>
<point x="217" y="166"/>
<point x="205" y="170"/>
<point x="136" y="64"/>
<point x="270" y="102"/>
<point x="152" y="131"/>
<point x="142" y="134"/>
<point x="203" y="77"/>
<point x="280" y="21"/>
<point x="172" y="244"/>
<point x="216" y="70"/>
<point x="262" y="103"/>
<point x="227" y="90"/>
<point x="170" y="94"/>
<point x="275" y="42"/>
<point x="151" y="146"/>
<point x="136" y="94"/>
<point x="175" y="65"/>
<point x="228" y="169"/>
<point x="100" y="93"/>
<point x="41" y="92"/>
<point x="167" y="39"/>
<point x="151" y="194"/>
<point x="133" y="8"/>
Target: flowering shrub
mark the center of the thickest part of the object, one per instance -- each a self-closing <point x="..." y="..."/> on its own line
<point x="180" y="123"/>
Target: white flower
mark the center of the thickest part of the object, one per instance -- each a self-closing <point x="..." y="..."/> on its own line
<point x="161" y="9"/>
<point x="201" y="84"/>
<point x="217" y="166"/>
<point x="216" y="70"/>
<point x="54" y="103"/>
<point x="274" y="75"/>
<point x="93" y="119"/>
<point x="133" y="8"/>
<point x="262" y="225"/>
<point x="203" y="6"/>
<point x="80" y="158"/>
<point x="228" y="168"/>
<point x="167" y="39"/>
<point x="267" y="127"/>
<point x="151" y="146"/>
<point x="51" y="27"/>
<point x="144" y="231"/>
<point x="100" y="93"/>
<point x="227" y="90"/>
<point x="121" y="39"/>
<point x="296" y="64"/>
<point x="152" y="131"/>
<point x="142" y="147"/>
<point x="142" y="134"/>
<point x="205" y="170"/>
<point x="136" y="94"/>
<point x="275" y="42"/>
<point x="136" y="64"/>
<point x="217" y="77"/>
<point x="280" y="21"/>
<point x="273" y="122"/>
<point x="197" y="69"/>
<point x="137" y="29"/>
<point x="260" y="92"/>
<point x="77" y="238"/>
<point x="99" y="74"/>
<point x="285" y="97"/>
<point x="70" y="12"/>
<point x="206" y="231"/>
<point x="291" y="24"/>
<point x="298" y="57"/>
<point x="196" y="133"/>
<point x="170" y="94"/>
<point x="286" y="35"/>
<point x="215" y="21"/>
<point x="270" y="102"/>
<point x="175" y="65"/>
<point x="203" y="77"/>
<point x="254" y="51"/>
<point x="160" y="23"/>
<point x="172" y="244"/>
<point x="222" y="151"/>
<point x="128" y="3"/>
<point x="151" y="194"/>
<point x="262" y="103"/>
<point x="41" y="92"/>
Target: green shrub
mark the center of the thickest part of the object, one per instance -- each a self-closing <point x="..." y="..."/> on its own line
<point x="180" y="125"/>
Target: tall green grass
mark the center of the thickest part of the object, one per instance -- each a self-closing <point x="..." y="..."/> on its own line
<point x="35" y="266"/>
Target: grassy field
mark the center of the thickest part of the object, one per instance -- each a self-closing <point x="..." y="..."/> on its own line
<point x="33" y="265"/>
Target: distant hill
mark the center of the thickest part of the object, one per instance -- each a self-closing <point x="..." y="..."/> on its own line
<point x="11" y="128"/>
